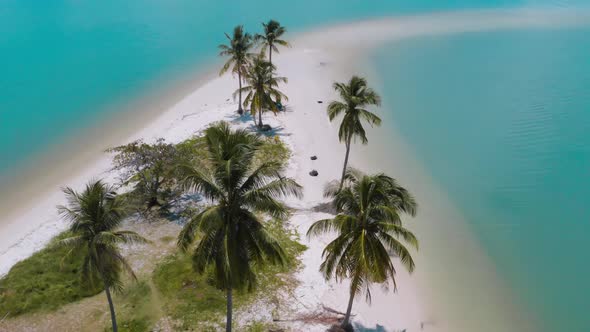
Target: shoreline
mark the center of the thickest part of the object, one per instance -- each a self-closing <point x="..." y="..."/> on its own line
<point x="23" y="199"/>
<point x="122" y="121"/>
<point x="342" y="49"/>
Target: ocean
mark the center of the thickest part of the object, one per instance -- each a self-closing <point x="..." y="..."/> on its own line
<point x="68" y="64"/>
<point x="500" y="119"/>
<point x="502" y="122"/>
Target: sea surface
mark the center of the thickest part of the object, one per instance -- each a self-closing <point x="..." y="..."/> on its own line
<point x="68" y="63"/>
<point x="502" y="122"/>
<point x="500" y="119"/>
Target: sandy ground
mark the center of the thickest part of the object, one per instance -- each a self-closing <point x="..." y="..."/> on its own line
<point x="455" y="287"/>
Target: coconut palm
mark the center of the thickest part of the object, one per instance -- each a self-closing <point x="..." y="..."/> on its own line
<point x="238" y="50"/>
<point x="271" y="38"/>
<point x="95" y="214"/>
<point x="355" y="96"/>
<point x="233" y="237"/>
<point x="262" y="89"/>
<point x="368" y="229"/>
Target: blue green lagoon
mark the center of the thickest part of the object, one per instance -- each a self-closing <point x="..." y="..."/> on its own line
<point x="502" y="122"/>
<point x="500" y="119"/>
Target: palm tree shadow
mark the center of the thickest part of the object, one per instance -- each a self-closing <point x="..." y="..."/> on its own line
<point x="378" y="328"/>
<point x="237" y="118"/>
<point x="277" y="131"/>
<point x="177" y="212"/>
<point x="327" y="207"/>
<point x="287" y="109"/>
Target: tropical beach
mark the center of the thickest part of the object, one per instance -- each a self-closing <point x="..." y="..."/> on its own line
<point x="439" y="295"/>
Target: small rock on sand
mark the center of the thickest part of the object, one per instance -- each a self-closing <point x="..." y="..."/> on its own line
<point x="313" y="173"/>
<point x="314" y="157"/>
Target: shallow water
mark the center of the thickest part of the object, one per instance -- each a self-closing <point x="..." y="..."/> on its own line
<point x="502" y="122"/>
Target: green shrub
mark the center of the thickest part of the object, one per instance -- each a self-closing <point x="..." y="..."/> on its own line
<point x="191" y="299"/>
<point x="45" y="281"/>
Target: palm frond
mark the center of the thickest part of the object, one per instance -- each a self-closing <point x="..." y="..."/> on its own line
<point x="94" y="215"/>
<point x="368" y="229"/>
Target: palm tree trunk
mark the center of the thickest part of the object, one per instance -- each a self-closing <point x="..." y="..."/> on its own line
<point x="229" y="310"/>
<point x="270" y="54"/>
<point x="345" y="162"/>
<point x="240" y="110"/>
<point x="112" y="308"/>
<point x="260" y="118"/>
<point x="346" y="320"/>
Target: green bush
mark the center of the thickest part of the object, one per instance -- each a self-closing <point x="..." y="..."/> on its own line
<point x="188" y="296"/>
<point x="45" y="281"/>
<point x="191" y="299"/>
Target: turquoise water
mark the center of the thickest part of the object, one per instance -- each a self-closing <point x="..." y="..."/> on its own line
<point x="502" y="121"/>
<point x="63" y="62"/>
<point x="514" y="125"/>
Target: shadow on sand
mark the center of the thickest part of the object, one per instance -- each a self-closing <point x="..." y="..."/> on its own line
<point x="378" y="328"/>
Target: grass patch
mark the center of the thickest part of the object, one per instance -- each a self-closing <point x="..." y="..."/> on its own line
<point x="273" y="149"/>
<point x="44" y="282"/>
<point x="134" y="325"/>
<point x="167" y="239"/>
<point x="188" y="297"/>
<point x="137" y="307"/>
<point x="256" y="327"/>
<point x="194" y="302"/>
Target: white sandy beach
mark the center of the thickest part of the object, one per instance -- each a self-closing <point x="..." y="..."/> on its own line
<point x="455" y="287"/>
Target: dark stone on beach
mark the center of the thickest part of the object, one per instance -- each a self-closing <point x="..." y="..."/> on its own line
<point x="320" y="102"/>
<point x="314" y="157"/>
<point x="313" y="173"/>
<point x="265" y="128"/>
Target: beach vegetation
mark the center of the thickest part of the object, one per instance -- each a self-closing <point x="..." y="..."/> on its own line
<point x="150" y="170"/>
<point x="355" y="96"/>
<point x="95" y="216"/>
<point x="194" y="302"/>
<point x="45" y="281"/>
<point x="233" y="239"/>
<point x="368" y="230"/>
<point x="262" y="89"/>
<point x="238" y="48"/>
<point x="271" y="38"/>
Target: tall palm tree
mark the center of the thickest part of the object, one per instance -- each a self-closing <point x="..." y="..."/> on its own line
<point x="238" y="50"/>
<point x="355" y="96"/>
<point x="95" y="214"/>
<point x="262" y="89"/>
<point x="234" y="239"/>
<point x="272" y="37"/>
<point x="368" y="229"/>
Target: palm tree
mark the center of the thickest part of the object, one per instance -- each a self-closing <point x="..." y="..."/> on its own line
<point x="271" y="37"/>
<point x="262" y="89"/>
<point x="369" y="229"/>
<point x="238" y="50"/>
<point x="234" y="239"/>
<point x="95" y="214"/>
<point x="355" y="97"/>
